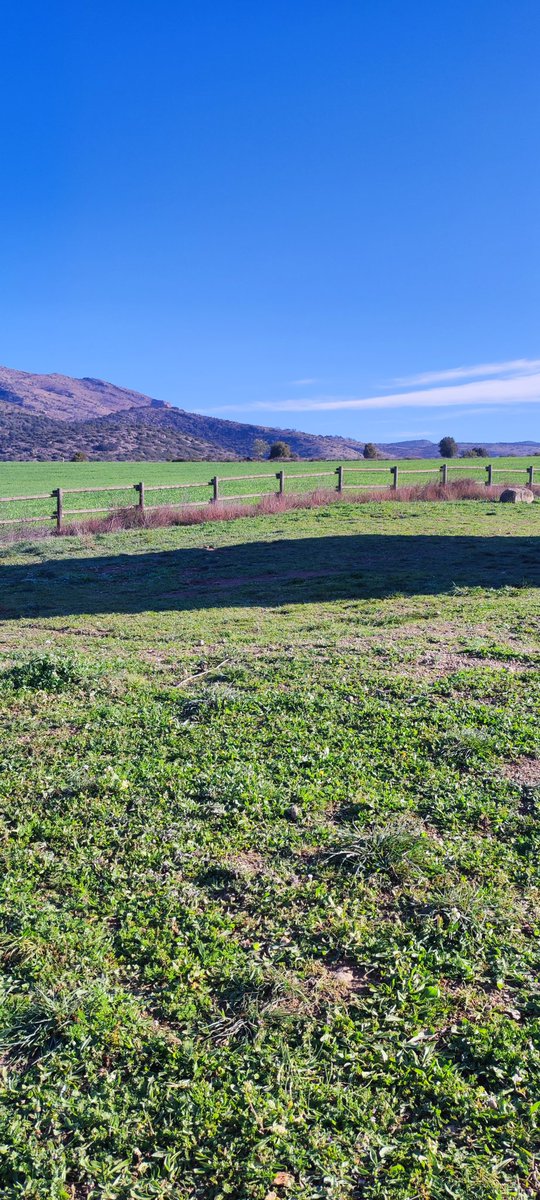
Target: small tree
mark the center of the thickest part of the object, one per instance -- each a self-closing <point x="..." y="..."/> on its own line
<point x="370" y="450"/>
<point x="79" y="456"/>
<point x="280" y="450"/>
<point x="448" y="447"/>
<point x="261" y="448"/>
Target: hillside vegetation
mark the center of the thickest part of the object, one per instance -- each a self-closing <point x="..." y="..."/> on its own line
<point x="270" y="859"/>
<point x="48" y="417"/>
<point x="54" y="416"/>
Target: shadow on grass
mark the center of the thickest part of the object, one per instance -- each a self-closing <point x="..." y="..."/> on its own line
<point x="267" y="573"/>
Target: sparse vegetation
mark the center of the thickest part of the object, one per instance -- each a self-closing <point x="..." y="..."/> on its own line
<point x="269" y="891"/>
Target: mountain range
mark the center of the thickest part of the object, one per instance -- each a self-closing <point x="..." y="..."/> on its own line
<point x="55" y="416"/>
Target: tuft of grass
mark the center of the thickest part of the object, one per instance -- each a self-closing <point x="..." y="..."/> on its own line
<point x="44" y="673"/>
<point x="466" y="746"/>
<point x="395" y="849"/>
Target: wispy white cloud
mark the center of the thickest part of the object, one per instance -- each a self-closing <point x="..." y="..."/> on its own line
<point x="485" y="388"/>
<point x="302" y="382"/>
<point x="515" y="367"/>
<point x="493" y="384"/>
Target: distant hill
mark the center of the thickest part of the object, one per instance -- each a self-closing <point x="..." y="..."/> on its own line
<point x="147" y="433"/>
<point x="118" y="436"/>
<point x="424" y="449"/>
<point x="54" y="416"/>
<point x="62" y="398"/>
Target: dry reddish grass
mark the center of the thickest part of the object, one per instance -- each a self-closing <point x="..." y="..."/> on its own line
<point x="155" y="518"/>
<point x="164" y="515"/>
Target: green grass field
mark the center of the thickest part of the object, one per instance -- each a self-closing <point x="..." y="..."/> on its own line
<point x="19" y="479"/>
<point x="270" y="886"/>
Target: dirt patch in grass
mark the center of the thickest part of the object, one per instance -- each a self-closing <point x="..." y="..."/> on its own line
<point x="445" y="662"/>
<point x="339" y="980"/>
<point x="247" y="864"/>
<point x="437" y="662"/>
<point x="524" y="771"/>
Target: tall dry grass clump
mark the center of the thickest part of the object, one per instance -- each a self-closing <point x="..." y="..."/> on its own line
<point x="268" y="505"/>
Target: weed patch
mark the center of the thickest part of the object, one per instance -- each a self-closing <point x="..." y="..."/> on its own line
<point x="44" y="672"/>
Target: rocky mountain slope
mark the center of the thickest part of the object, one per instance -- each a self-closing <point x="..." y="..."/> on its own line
<point x="62" y="398"/>
<point x="55" y="416"/>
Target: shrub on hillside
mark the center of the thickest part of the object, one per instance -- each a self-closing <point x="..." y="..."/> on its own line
<point x="280" y="450"/>
<point x="475" y="452"/>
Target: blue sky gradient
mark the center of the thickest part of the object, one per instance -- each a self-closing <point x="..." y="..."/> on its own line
<point x="303" y="214"/>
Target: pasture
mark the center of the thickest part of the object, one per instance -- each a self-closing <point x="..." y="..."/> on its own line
<point x="270" y="848"/>
<point x="31" y="478"/>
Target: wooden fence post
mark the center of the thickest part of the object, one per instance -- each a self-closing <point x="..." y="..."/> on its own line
<point x="139" y="487"/>
<point x="395" y="474"/>
<point x="280" y="476"/>
<point x="489" y="474"/>
<point x="215" y="484"/>
<point x="59" y="507"/>
<point x="530" y="475"/>
<point x="339" y="472"/>
<point x="444" y="472"/>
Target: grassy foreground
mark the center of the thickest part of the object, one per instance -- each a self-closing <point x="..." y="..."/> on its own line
<point x="270" y="847"/>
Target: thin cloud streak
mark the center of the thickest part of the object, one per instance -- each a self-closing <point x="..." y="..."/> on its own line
<point x="523" y="389"/>
<point x="514" y="369"/>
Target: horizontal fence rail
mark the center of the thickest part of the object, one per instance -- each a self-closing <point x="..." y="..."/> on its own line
<point x="397" y="474"/>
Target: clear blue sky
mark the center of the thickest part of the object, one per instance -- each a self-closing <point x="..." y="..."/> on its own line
<point x="302" y="213"/>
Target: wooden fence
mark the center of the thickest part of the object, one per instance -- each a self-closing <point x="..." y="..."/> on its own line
<point x="59" y="494"/>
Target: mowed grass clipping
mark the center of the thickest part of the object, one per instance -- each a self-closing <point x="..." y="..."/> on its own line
<point x="270" y="846"/>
